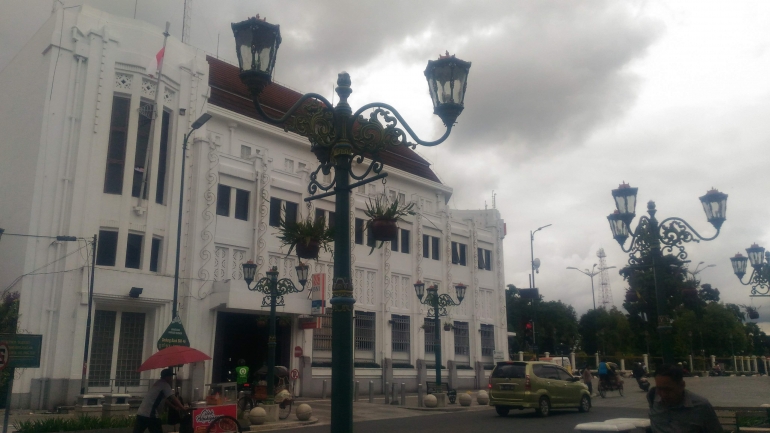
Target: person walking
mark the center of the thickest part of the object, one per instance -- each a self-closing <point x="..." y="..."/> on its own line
<point x="588" y="379"/>
<point x="148" y="415"/>
<point x="674" y="409"/>
<point x="241" y="374"/>
<point x="602" y="371"/>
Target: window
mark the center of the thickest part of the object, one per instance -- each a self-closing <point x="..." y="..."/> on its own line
<point x="564" y="375"/>
<point x="106" y="248"/>
<point x="405" y="241"/>
<point x="223" y="200"/>
<point x="359" y="231"/>
<point x="400" y="333"/>
<point x="245" y="152"/>
<point x="134" y="251"/>
<point x="160" y="187"/>
<point x="370" y="237"/>
<point x="458" y="253"/>
<point x="487" y="340"/>
<point x="142" y="140"/>
<point x="277" y="205"/>
<point x="322" y="337"/>
<point x="327" y="216"/>
<point x="241" y="204"/>
<point x="435" y="248"/>
<point x="106" y="362"/>
<point x="485" y="259"/>
<point x="430" y="334"/>
<point x="116" y="148"/>
<point x="288" y="165"/>
<point x="394" y="242"/>
<point x="462" y="341"/>
<point x="402" y="198"/>
<point x="426" y="246"/>
<point x="364" y="331"/>
<point x="516" y="370"/>
<point x="155" y="254"/>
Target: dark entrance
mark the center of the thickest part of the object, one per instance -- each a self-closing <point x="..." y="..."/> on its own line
<point x="244" y="336"/>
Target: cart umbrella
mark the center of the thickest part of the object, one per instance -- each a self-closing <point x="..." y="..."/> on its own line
<point x="171" y="356"/>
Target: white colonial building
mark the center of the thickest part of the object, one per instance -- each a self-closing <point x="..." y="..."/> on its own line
<point x="78" y="146"/>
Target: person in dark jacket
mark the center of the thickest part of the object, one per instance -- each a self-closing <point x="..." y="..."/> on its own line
<point x="673" y="409"/>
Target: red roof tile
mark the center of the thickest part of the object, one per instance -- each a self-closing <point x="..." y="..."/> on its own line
<point x="228" y="92"/>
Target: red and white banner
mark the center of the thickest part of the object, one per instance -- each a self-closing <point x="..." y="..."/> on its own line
<point x="203" y="416"/>
<point x="156" y="62"/>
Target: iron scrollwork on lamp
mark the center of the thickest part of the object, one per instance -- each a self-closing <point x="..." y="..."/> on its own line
<point x="760" y="274"/>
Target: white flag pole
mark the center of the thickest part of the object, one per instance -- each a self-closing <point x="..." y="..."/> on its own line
<point x="154" y="115"/>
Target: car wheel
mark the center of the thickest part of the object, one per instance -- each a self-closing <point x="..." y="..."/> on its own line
<point x="543" y="407"/>
<point x="502" y="410"/>
<point x="585" y="404"/>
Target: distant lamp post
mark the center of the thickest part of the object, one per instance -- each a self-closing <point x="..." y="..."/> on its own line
<point x="592" y="273"/>
<point x="669" y="235"/>
<point x="760" y="274"/>
<point x="340" y="137"/>
<point x="438" y="308"/>
<point x="274" y="289"/>
<point x="200" y="121"/>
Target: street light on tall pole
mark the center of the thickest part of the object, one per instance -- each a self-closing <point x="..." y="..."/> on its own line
<point x="438" y="308"/>
<point x="197" y="124"/>
<point x="653" y="237"/>
<point x="338" y="138"/>
<point x="759" y="280"/>
<point x="535" y="264"/>
<point x="592" y="273"/>
<point x="274" y="289"/>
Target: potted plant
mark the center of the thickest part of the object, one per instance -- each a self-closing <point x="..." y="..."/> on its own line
<point x="448" y="326"/>
<point x="753" y="313"/>
<point x="384" y="217"/>
<point x="308" y="236"/>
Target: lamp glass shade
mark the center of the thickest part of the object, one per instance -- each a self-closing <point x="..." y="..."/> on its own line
<point x="302" y="270"/>
<point x="460" y="288"/>
<point x="256" y="45"/>
<point x="715" y="205"/>
<point x="447" y="81"/>
<point x="419" y="289"/>
<point x="618" y="226"/>
<point x="739" y="264"/>
<point x="756" y="255"/>
<point x="249" y="269"/>
<point x="625" y="201"/>
<point x="433" y="291"/>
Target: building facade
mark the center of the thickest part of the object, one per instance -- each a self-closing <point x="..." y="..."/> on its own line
<point x="82" y="156"/>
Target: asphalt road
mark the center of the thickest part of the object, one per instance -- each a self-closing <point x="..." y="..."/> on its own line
<point x="486" y="421"/>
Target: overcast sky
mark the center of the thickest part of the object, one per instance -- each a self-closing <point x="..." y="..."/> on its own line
<point x="565" y="100"/>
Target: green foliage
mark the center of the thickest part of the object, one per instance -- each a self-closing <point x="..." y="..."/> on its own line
<point x="305" y="231"/>
<point x="608" y="332"/>
<point x="9" y="319"/>
<point x="383" y="209"/>
<point x="556" y="326"/>
<point x="83" y="422"/>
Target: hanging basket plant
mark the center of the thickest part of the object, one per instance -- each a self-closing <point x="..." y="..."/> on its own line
<point x="307" y="236"/>
<point x="384" y="216"/>
<point x="261" y="321"/>
<point x="752" y="312"/>
<point x="448" y="326"/>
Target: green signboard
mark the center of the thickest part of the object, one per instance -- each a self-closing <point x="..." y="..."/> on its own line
<point x="20" y="350"/>
<point x="173" y="336"/>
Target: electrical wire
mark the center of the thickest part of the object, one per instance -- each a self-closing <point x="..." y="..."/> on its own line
<point x="32" y="272"/>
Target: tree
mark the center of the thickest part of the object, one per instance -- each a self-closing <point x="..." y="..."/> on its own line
<point x="604" y="331"/>
<point x="9" y="319"/>
<point x="555" y="323"/>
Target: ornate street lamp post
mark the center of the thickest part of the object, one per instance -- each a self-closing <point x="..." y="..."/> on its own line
<point x="274" y="289"/>
<point x="338" y="137"/>
<point x="653" y="237"/>
<point x="438" y="308"/>
<point x="760" y="274"/>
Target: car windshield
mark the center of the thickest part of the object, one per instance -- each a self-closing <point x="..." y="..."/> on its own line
<point x="510" y="371"/>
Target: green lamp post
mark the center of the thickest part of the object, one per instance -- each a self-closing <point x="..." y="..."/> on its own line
<point x="438" y="308"/>
<point x="653" y="237"/>
<point x="760" y="274"/>
<point x="339" y="138"/>
<point x="274" y="289"/>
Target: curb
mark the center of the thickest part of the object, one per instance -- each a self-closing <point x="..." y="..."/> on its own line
<point x="281" y="425"/>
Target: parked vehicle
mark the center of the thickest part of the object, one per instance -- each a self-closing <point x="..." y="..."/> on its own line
<point x="535" y="385"/>
<point x="561" y="361"/>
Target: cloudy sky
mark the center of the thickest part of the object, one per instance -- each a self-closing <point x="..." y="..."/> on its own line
<point x="565" y="100"/>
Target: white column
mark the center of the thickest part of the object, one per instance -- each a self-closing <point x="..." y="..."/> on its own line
<point x="547" y="354"/>
<point x="713" y="361"/>
<point x="597" y="359"/>
<point x="521" y="356"/>
<point x="735" y="364"/>
<point x="692" y="367"/>
<point x="754" y="364"/>
<point x="572" y="361"/>
<point x="647" y="361"/>
<point x="622" y="364"/>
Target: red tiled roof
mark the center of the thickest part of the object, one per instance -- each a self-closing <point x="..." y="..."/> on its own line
<point x="228" y="92"/>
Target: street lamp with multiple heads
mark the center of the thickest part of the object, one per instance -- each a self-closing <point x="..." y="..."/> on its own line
<point x="654" y="238"/>
<point x="196" y="125"/>
<point x="339" y="137"/>
<point x="760" y="274"/>
<point x="438" y="308"/>
<point x="592" y="273"/>
<point x="274" y="289"/>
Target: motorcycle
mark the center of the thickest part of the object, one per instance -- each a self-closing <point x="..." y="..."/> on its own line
<point x="643" y="383"/>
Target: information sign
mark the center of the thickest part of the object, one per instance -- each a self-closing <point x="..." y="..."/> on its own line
<point x="20" y="350"/>
<point x="174" y="336"/>
<point x="317" y="294"/>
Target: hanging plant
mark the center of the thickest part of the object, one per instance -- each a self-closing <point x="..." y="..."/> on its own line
<point x="384" y="216"/>
<point x="261" y="321"/>
<point x="284" y="321"/>
<point x="448" y="326"/>
<point x="308" y="236"/>
<point x="752" y="312"/>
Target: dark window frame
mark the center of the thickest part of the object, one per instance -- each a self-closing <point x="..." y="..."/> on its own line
<point x="359" y="231"/>
<point x="224" y="195"/>
<point x="426" y="246"/>
<point x="435" y="246"/>
<point x="462" y="338"/>
<point x="160" y="184"/>
<point x="429" y="325"/>
<point x="107" y="248"/>
<point x="116" y="146"/>
<point x="134" y="247"/>
<point x="365" y="330"/>
<point x="242" y="198"/>
<point x="485" y="259"/>
<point x="405" y="241"/>
<point x="400" y="333"/>
<point x="143" y="138"/>
<point x="155" y="250"/>
<point x="487" y="340"/>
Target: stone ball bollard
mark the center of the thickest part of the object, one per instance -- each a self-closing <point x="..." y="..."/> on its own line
<point x="482" y="397"/>
<point x="257" y="416"/>
<point x="304" y="411"/>
<point x="465" y="399"/>
<point x="430" y="401"/>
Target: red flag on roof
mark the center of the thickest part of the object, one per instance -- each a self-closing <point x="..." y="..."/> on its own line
<point x="156" y="62"/>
